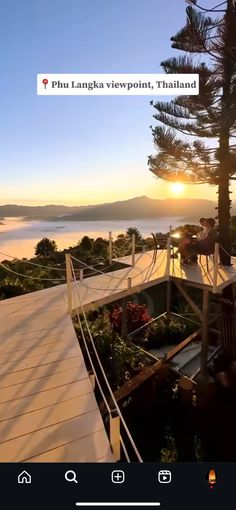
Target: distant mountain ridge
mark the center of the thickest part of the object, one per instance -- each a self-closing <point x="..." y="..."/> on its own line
<point x="143" y="207"/>
<point x="17" y="211"/>
<point x="134" y="208"/>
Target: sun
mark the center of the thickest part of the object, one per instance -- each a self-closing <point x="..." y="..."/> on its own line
<point x="177" y="188"/>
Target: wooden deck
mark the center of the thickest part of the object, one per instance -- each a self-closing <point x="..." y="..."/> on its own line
<point x="105" y="288"/>
<point x="48" y="412"/>
<point x="197" y="274"/>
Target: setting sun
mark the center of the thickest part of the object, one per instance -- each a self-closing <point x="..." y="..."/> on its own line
<point x="177" y="188"/>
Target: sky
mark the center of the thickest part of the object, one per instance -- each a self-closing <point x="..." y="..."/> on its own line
<point x="77" y="149"/>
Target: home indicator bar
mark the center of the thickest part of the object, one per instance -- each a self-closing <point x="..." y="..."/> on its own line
<point x="118" y="504"/>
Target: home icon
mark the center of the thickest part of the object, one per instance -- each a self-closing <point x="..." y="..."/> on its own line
<point x="24" y="477"/>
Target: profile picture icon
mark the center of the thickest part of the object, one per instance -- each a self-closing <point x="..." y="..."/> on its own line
<point x="211" y="478"/>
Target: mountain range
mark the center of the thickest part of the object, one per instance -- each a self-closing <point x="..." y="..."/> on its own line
<point x="135" y="208"/>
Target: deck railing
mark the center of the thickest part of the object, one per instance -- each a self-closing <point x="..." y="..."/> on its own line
<point x="116" y="419"/>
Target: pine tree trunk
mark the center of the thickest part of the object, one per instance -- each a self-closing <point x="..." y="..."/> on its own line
<point x="224" y="208"/>
<point x="227" y="311"/>
<point x="224" y="147"/>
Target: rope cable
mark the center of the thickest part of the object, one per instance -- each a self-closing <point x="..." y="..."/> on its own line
<point x="103" y="372"/>
<point x="29" y="276"/>
<point x="88" y="353"/>
<point x="155" y="269"/>
<point x="31" y="263"/>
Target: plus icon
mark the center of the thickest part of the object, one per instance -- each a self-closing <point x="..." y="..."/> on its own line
<point x="118" y="476"/>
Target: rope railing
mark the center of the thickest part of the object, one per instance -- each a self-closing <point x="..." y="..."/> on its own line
<point x="155" y="269"/>
<point x="29" y="262"/>
<point x="94" y="271"/>
<point x="125" y="243"/>
<point x="98" y="271"/>
<point x="109" y="389"/>
<point x="30" y="276"/>
<point x="128" y="279"/>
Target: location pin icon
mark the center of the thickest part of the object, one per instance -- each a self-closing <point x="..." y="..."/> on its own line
<point x="45" y="82"/>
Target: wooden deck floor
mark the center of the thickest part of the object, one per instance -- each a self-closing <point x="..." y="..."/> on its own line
<point x="48" y="412"/>
<point x="197" y="274"/>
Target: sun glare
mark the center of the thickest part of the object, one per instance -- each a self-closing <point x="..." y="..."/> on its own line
<point x="177" y="188"/>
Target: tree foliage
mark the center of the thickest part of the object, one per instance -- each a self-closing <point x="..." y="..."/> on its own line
<point x="133" y="230"/>
<point x="45" y="248"/>
<point x="204" y="150"/>
<point x="86" y="244"/>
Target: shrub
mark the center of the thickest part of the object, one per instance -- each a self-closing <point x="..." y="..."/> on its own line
<point x="162" y="332"/>
<point x="10" y="289"/>
<point x="119" y="359"/>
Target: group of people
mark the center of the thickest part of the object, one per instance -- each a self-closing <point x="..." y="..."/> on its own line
<point x="203" y="244"/>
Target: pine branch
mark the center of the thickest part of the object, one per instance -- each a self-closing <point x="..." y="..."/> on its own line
<point x="174" y="110"/>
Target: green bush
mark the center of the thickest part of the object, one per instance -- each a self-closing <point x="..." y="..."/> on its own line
<point x="119" y="358"/>
<point x="161" y="332"/>
<point x="9" y="289"/>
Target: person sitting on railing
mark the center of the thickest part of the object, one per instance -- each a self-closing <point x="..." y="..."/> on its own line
<point x="189" y="248"/>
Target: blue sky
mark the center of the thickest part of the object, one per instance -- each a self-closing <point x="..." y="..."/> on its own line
<point x="80" y="149"/>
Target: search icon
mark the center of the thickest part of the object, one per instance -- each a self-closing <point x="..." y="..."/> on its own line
<point x="70" y="476"/>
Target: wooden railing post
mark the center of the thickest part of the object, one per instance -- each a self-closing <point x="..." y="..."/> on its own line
<point x="115" y="434"/>
<point x="92" y="378"/>
<point x="110" y="248"/>
<point x="168" y="254"/>
<point x="215" y="267"/>
<point x="69" y="280"/>
<point x="81" y="275"/>
<point x="133" y="250"/>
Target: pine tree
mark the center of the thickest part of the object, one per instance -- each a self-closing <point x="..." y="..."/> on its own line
<point x="209" y="42"/>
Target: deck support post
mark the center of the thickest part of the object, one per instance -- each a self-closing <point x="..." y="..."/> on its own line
<point x="215" y="267"/>
<point x="110" y="248"/>
<point x="168" y="300"/>
<point x="133" y="250"/>
<point x="81" y="275"/>
<point x="204" y="346"/>
<point x="193" y="305"/>
<point x="115" y="434"/>
<point x="185" y="390"/>
<point x="69" y="280"/>
<point x="124" y="329"/>
<point x="168" y="254"/>
<point x="92" y="378"/>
